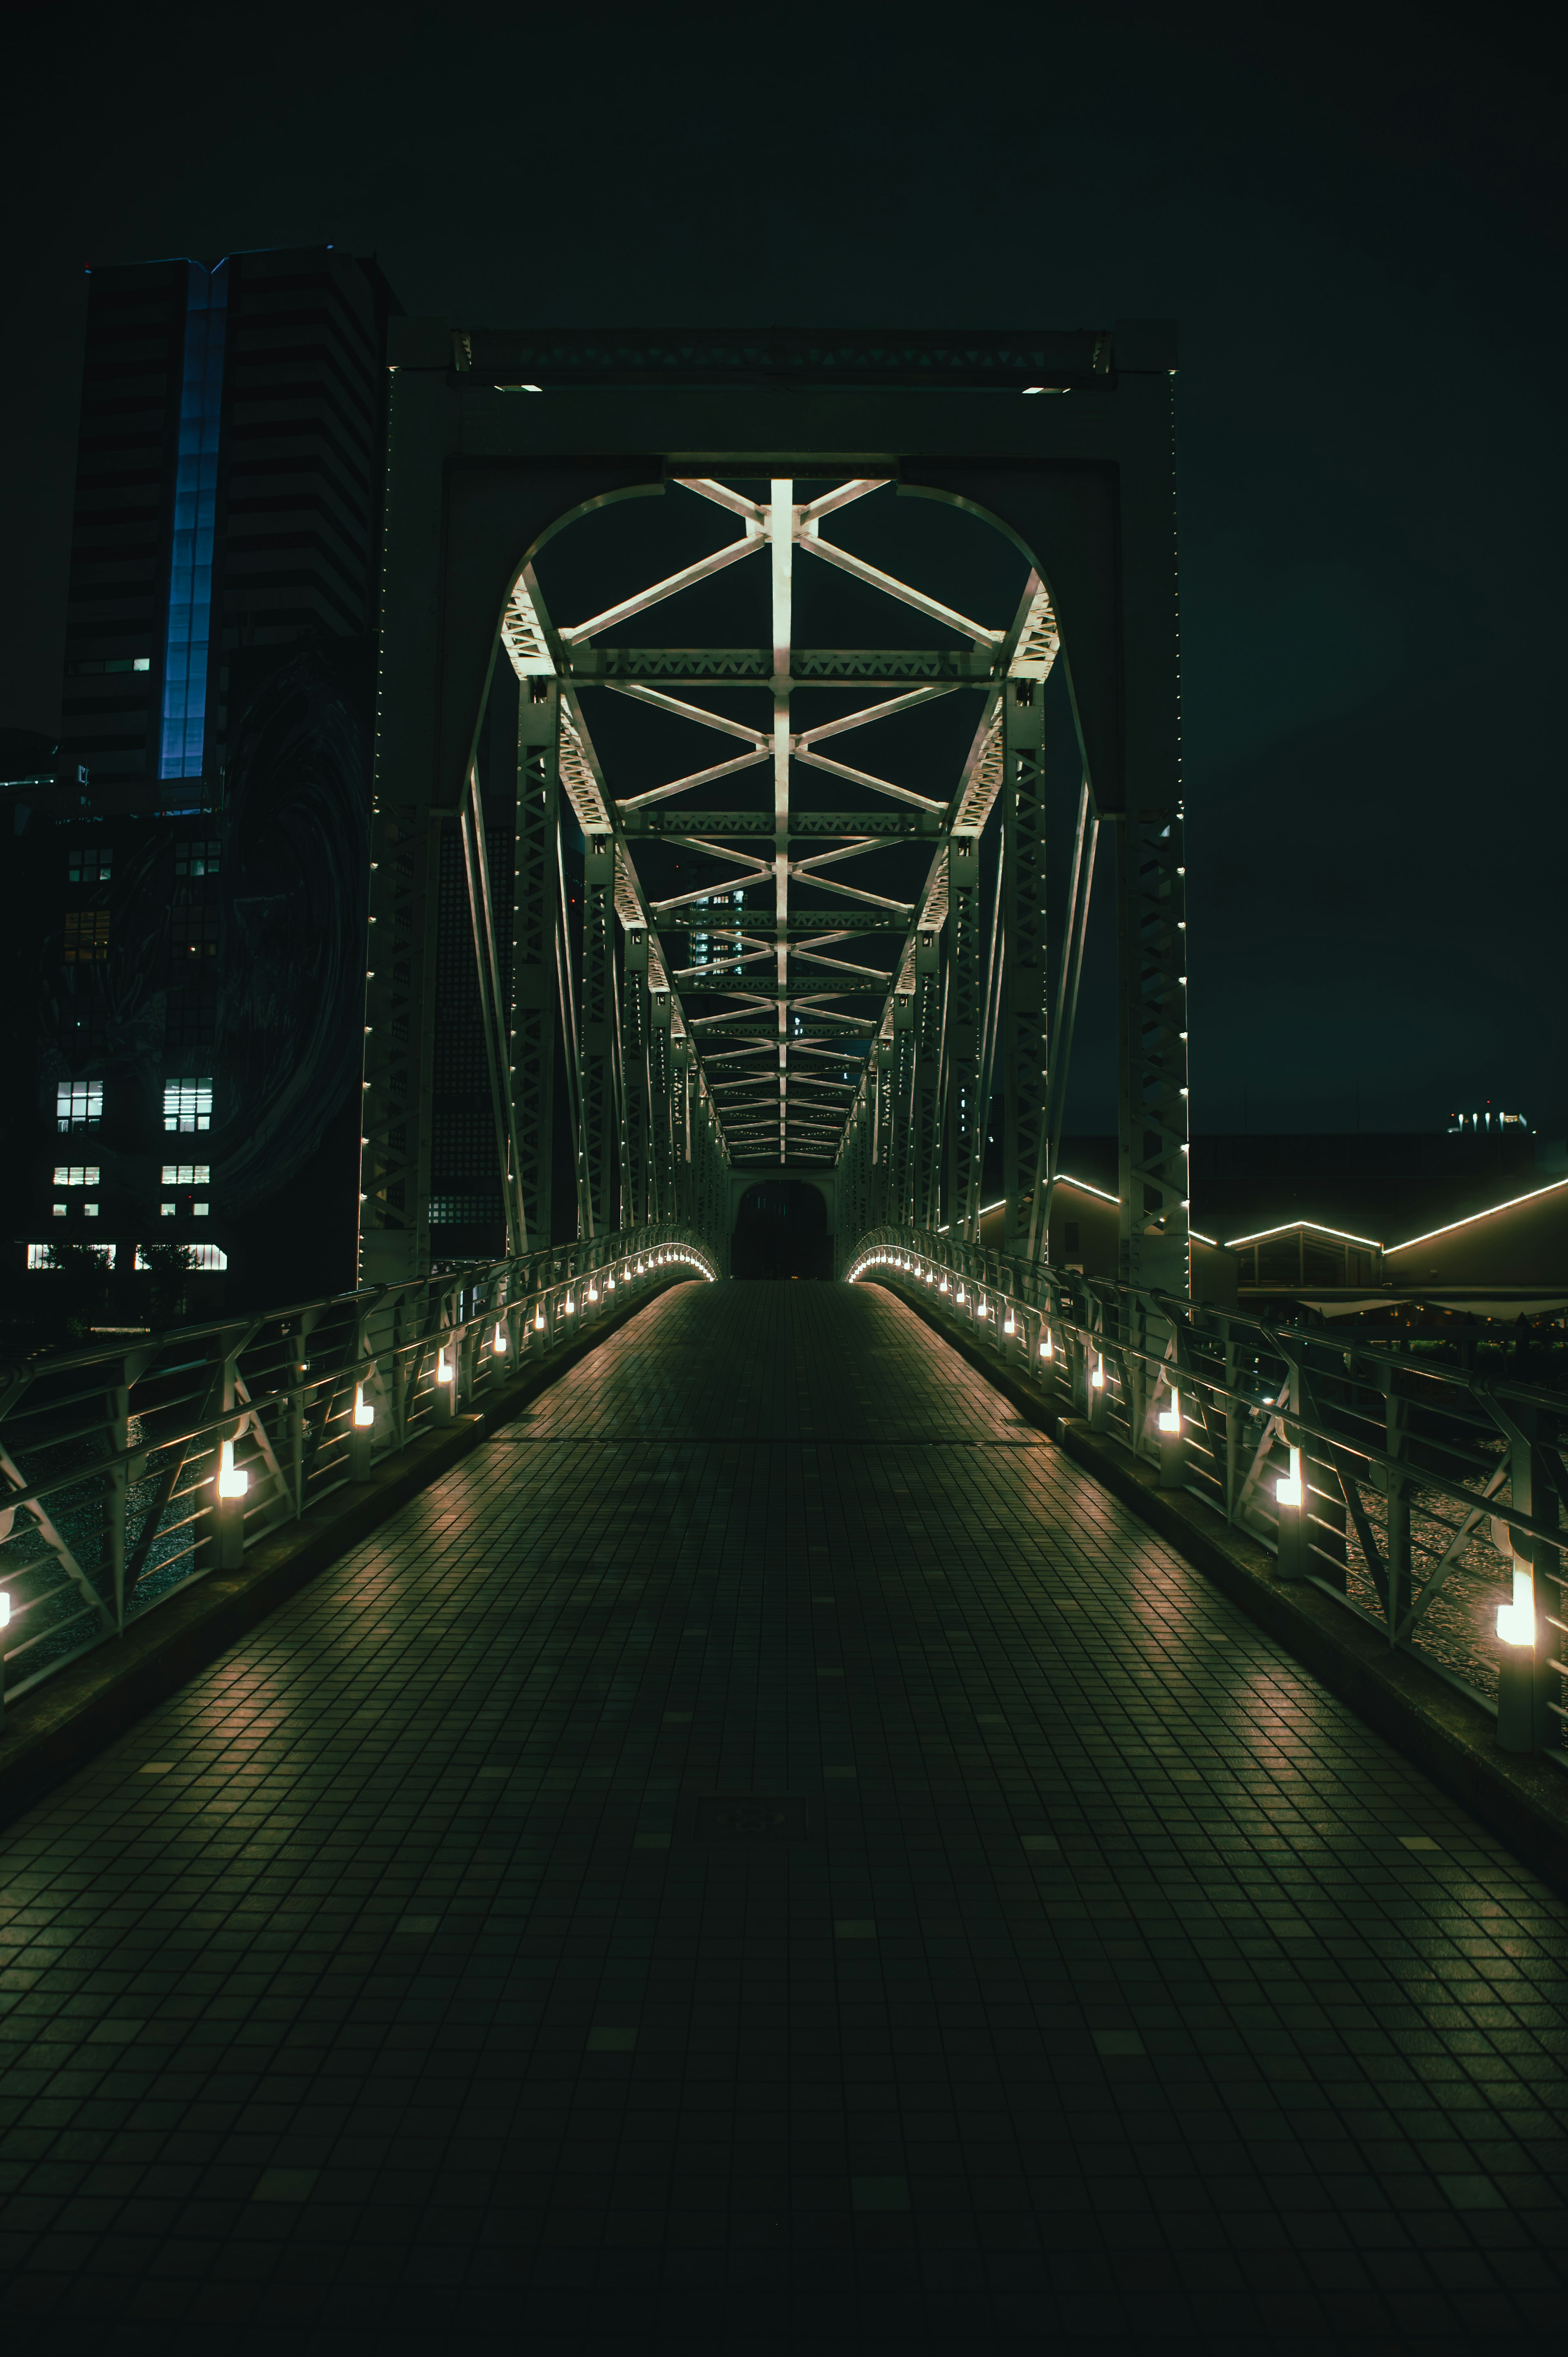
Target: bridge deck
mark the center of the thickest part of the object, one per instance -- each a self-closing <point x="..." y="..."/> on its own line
<point x="1103" y="1978"/>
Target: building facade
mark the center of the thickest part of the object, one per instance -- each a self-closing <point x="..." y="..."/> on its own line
<point x="184" y="896"/>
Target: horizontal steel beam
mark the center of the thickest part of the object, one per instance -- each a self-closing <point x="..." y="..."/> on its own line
<point x="763" y="1026"/>
<point x="745" y="986"/>
<point x="925" y="825"/>
<point x="809" y="666"/>
<point x="760" y="929"/>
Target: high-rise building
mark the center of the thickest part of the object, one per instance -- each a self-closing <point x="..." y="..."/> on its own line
<point x="183" y="888"/>
<point x="228" y="492"/>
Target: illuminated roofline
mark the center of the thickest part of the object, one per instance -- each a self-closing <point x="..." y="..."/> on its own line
<point x="1490" y="1213"/>
<point x="1288" y="1226"/>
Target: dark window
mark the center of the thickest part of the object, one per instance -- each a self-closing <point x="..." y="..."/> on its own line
<point x="91" y="862"/>
<point x="198" y="858"/>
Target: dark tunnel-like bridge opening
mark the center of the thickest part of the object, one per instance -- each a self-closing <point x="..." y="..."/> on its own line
<point x="782" y="1230"/>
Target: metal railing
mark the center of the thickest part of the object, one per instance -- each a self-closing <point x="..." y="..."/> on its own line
<point x="131" y="1468"/>
<point x="1420" y="1495"/>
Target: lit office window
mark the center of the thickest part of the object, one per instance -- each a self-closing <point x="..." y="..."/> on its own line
<point x="78" y="1104"/>
<point x="204" y="1257"/>
<point x="44" y="1256"/>
<point x="165" y="1211"/>
<point x="187" y="1104"/>
<point x="89" y="1210"/>
<point x="60" y="1211"/>
<point x="188" y="1174"/>
<point x="86" y="936"/>
<point x="75" y="1174"/>
<point x="195" y="518"/>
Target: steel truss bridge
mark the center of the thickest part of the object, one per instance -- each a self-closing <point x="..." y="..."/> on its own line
<point x="854" y="1017"/>
<point x="817" y="948"/>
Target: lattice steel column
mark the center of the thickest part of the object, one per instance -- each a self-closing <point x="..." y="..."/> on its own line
<point x="966" y="1145"/>
<point x="1150" y="908"/>
<point x="1022" y="1048"/>
<point x="597" y="1035"/>
<point x="680" y="1129"/>
<point x="634" y="1077"/>
<point x="927" y="1123"/>
<point x="400" y="1045"/>
<point x="659" y="1078"/>
<point x="533" y="988"/>
<point x="900" y="1146"/>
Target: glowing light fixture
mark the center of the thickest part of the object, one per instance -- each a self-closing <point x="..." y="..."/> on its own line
<point x="4" y="1609"/>
<point x="497" y="1340"/>
<point x="443" y="1367"/>
<point x="959" y="1295"/>
<point x="539" y="1322"/>
<point x="1289" y="1491"/>
<point x="364" y="1413"/>
<point x="1170" y="1418"/>
<point x="1516" y="1621"/>
<point x="1048" y="1350"/>
<point x="1009" y="1324"/>
<point x="233" y="1480"/>
<point x="569" y="1307"/>
<point x="593" y="1292"/>
<point x="1098" y="1378"/>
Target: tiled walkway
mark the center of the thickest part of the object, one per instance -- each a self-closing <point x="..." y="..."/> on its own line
<point x="1071" y="1975"/>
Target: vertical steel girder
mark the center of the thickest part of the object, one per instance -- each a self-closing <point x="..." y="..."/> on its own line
<point x="597" y="1050"/>
<point x="492" y="1009"/>
<point x="1022" y="1047"/>
<point x="534" y="949"/>
<point x="634" y="1078"/>
<point x="926" y="1127"/>
<point x="400" y="1029"/>
<point x="659" y="1072"/>
<point x="966" y="1114"/>
<point x="900" y="1142"/>
<point x="1151" y="878"/>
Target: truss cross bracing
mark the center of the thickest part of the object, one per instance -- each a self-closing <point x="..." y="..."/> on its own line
<point x="791" y="945"/>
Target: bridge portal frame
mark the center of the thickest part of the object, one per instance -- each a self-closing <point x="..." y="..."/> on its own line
<point x="1063" y="441"/>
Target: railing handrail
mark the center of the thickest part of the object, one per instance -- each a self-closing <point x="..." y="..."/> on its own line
<point x="1346" y="1415"/>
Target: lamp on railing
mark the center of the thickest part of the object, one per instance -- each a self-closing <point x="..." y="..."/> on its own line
<point x="1047" y="1347"/>
<point x="1009" y="1324"/>
<point x="539" y="1320"/>
<point x="1524" y="1709"/>
<point x="593" y="1292"/>
<point x="230" y="1486"/>
<point x="1172" y="1465"/>
<point x="360" y="1430"/>
<point x="1098" y="1397"/>
<point x="446" y="1388"/>
<point x="498" y="1340"/>
<point x="1516" y="1621"/>
<point x="1295" y="1559"/>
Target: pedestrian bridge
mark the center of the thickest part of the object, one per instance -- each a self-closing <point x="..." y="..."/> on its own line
<point x="765" y="1849"/>
<point x="766" y="1852"/>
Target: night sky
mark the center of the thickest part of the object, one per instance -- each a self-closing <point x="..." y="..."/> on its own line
<point x="1358" y="220"/>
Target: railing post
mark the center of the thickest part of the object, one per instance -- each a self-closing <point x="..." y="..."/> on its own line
<point x="1525" y="1671"/>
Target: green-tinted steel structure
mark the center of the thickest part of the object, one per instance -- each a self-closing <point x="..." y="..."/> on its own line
<point x="858" y="1014"/>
